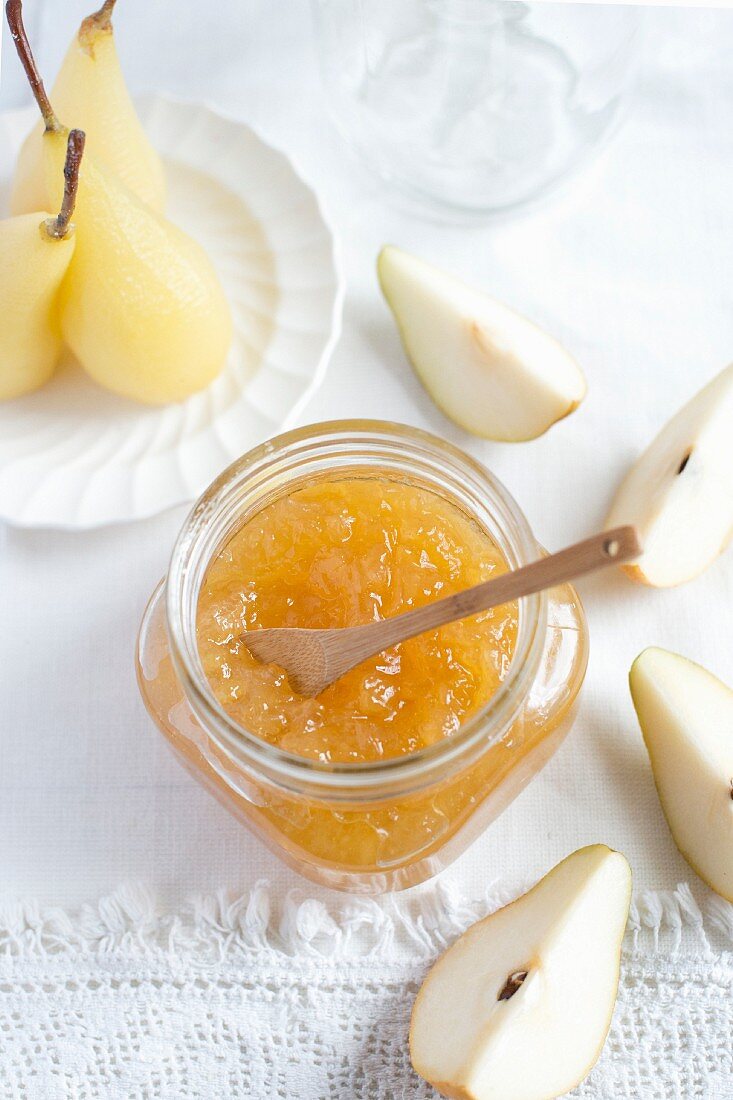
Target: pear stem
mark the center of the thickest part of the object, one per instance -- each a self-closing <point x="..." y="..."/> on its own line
<point x="99" y="21"/>
<point x="59" y="227"/>
<point x="14" y="13"/>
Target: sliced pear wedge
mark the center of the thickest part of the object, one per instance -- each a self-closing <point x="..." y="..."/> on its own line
<point x="519" y="1007"/>
<point x="686" y="717"/>
<point x="679" y="494"/>
<point x="490" y="370"/>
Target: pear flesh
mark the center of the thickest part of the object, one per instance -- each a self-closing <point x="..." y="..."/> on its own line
<point x="141" y="307"/>
<point x="33" y="267"/>
<point x="686" y="718"/>
<point x="489" y="369"/>
<point x="679" y="494"/>
<point x="90" y="92"/>
<point x="519" y="1007"/>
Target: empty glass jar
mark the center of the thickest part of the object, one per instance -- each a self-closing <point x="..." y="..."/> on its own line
<point x="479" y="105"/>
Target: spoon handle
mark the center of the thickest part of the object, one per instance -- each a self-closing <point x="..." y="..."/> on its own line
<point x="607" y="548"/>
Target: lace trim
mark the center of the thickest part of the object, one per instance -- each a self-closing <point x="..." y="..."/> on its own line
<point x="406" y="928"/>
<point x="241" y="997"/>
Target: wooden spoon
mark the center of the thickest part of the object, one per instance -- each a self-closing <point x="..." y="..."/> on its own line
<point x="313" y="659"/>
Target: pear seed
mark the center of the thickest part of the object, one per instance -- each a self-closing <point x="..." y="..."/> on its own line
<point x="512" y="984"/>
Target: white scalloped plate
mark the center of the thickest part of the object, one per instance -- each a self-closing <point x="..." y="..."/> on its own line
<point x="73" y="455"/>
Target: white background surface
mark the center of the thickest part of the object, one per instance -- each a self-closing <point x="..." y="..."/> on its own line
<point x="632" y="268"/>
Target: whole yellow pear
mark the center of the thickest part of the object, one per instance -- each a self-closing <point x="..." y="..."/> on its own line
<point x="90" y="92"/>
<point x="30" y="276"/>
<point x="36" y="250"/>
<point x="141" y="307"/>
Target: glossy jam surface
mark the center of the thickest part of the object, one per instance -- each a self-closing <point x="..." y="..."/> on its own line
<point x="338" y="553"/>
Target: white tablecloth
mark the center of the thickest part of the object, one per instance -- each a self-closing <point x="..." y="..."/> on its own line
<point x="631" y="267"/>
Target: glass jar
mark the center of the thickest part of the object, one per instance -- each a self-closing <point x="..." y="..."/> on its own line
<point x="478" y="105"/>
<point x="368" y="827"/>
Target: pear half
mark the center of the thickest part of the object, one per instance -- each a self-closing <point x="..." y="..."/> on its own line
<point x="679" y="494"/>
<point x="519" y="1007"/>
<point x="490" y="370"/>
<point x="686" y="717"/>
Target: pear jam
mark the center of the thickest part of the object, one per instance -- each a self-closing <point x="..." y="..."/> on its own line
<point x="337" y="554"/>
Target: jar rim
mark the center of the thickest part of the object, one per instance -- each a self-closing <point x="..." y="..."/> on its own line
<point x="267" y="466"/>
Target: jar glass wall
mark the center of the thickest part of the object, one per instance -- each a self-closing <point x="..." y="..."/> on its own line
<point x="367" y="827"/>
